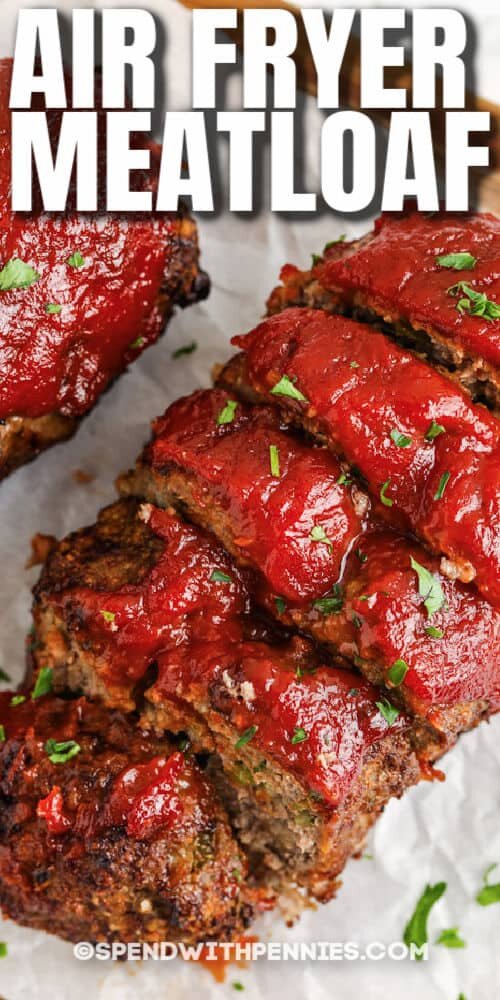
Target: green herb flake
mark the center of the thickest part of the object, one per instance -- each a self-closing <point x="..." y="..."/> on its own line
<point x="357" y="621"/>
<point x="362" y="556"/>
<point x="286" y="387"/>
<point x="318" y="534"/>
<point x="3" y="949"/>
<point x="443" y="482"/>
<point x="61" y="752"/>
<point x="457" y="261"/>
<point x="333" y="243"/>
<point x="53" y="308"/>
<point x="388" y="710"/>
<point x="280" y="605"/>
<point x="490" y="893"/>
<point x="434" y="430"/>
<point x="474" y="303"/>
<point x="4" y="676"/>
<point x="387" y="502"/>
<point x="316" y="258"/>
<point x="109" y="616"/>
<point x="299" y="735"/>
<point x="433" y="632"/>
<point x="415" y="931"/>
<point x="398" y="672"/>
<point x="17" y="699"/>
<point x="332" y="603"/>
<point x="353" y="364"/>
<point x="226" y="415"/>
<point x="353" y="693"/>
<point x="246" y="737"/>
<point x="186" y="349"/>
<point x="450" y="938"/>
<point x="429" y="588"/>
<point x="219" y="577"/>
<point x="399" y="439"/>
<point x="2" y="734"/>
<point x="344" y="479"/>
<point x="17" y="274"/>
<point x="43" y="683"/>
<point x="76" y="259"/>
<point x="136" y="344"/>
<point x="238" y="986"/>
<point x="274" y="460"/>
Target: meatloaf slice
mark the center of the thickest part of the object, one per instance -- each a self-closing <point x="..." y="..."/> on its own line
<point x="429" y="457"/>
<point x="432" y="281"/>
<point x="81" y="296"/>
<point x="319" y="564"/>
<point x="109" y="833"/>
<point x="303" y="753"/>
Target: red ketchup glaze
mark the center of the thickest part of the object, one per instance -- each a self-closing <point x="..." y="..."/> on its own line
<point x="397" y="269"/>
<point x="360" y="387"/>
<point x="51" y="809"/>
<point x="271" y="517"/>
<point x="335" y="708"/>
<point x="177" y="598"/>
<point x="144" y="797"/>
<point x="62" y="362"/>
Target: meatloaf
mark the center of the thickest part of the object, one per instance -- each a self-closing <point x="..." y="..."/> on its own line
<point x="317" y="559"/>
<point x="431" y="280"/>
<point x="303" y="753"/>
<point x="429" y="457"/>
<point x="81" y="296"/>
<point x="109" y="833"/>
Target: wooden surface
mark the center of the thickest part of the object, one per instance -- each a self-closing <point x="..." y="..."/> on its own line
<point x="486" y="183"/>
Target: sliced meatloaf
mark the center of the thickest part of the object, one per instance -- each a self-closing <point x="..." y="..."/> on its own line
<point x="108" y="833"/>
<point x="318" y="560"/>
<point x="81" y="296"/>
<point x="303" y="753"/>
<point x="429" y="457"/>
<point x="431" y="280"/>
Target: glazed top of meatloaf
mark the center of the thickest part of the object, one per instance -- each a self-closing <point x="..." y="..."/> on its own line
<point x="397" y="271"/>
<point x="80" y="295"/>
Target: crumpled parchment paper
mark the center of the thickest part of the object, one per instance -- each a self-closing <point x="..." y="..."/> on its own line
<point x="437" y="832"/>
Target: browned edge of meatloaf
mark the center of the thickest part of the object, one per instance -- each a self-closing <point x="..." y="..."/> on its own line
<point x="479" y="377"/>
<point x="434" y="733"/>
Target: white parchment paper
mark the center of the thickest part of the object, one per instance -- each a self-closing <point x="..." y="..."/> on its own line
<point x="447" y="832"/>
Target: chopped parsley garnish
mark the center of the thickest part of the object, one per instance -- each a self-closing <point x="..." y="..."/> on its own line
<point x="17" y="699"/>
<point x="4" y="676"/>
<point x="238" y="986"/>
<point x="109" y="616"/>
<point x="415" y="931"/>
<point x="457" y="261"/>
<point x="274" y="460"/>
<point x="434" y="633"/>
<point x="429" y="588"/>
<point x="362" y="556"/>
<point x="398" y="672"/>
<point x="226" y="415"/>
<point x="219" y="577"/>
<point x="76" y="259"/>
<point x="136" y="344"/>
<point x="353" y="693"/>
<point x="474" y="303"/>
<point x="43" y="683"/>
<point x="489" y="893"/>
<point x="61" y="752"/>
<point x="450" y="938"/>
<point x="434" y="430"/>
<point x="399" y="439"/>
<point x="316" y="258"/>
<point x="387" y="502"/>
<point x="318" y="534"/>
<point x="344" y="479"/>
<point x="332" y="603"/>
<point x="3" y="949"/>
<point x="246" y="737"/>
<point x="443" y="482"/>
<point x="53" y="308"/>
<point x="286" y="387"/>
<point x="17" y="274"/>
<point x="280" y="605"/>
<point x="388" y="710"/>
<point x="353" y="364"/>
<point x="299" y="735"/>
<point x="2" y="734"/>
<point x="357" y="621"/>
<point x="186" y="349"/>
<point x="332" y="243"/>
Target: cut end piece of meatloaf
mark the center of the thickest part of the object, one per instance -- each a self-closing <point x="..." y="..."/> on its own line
<point x="110" y="833"/>
<point x="423" y="278"/>
<point x="81" y="296"/>
<point x="376" y="598"/>
<point x="147" y="611"/>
